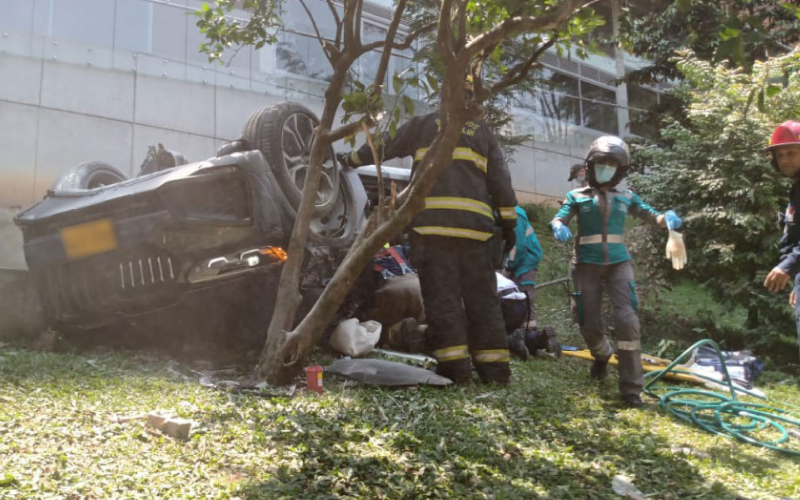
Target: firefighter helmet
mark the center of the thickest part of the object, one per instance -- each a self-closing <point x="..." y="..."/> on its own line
<point x="784" y="134"/>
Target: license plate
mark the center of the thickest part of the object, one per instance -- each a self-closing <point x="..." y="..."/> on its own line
<point x="89" y="238"/>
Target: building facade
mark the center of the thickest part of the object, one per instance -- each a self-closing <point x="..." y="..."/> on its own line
<point x="85" y="80"/>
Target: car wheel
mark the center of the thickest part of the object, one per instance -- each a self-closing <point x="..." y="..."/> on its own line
<point x="339" y="227"/>
<point x="284" y="135"/>
<point x="89" y="175"/>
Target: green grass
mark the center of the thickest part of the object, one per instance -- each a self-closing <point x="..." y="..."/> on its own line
<point x="550" y="434"/>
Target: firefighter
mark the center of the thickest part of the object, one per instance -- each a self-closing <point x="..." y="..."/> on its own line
<point x="784" y="146"/>
<point x="601" y="260"/>
<point x="451" y="247"/>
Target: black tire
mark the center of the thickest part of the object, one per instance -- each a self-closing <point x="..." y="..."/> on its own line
<point x="89" y="175"/>
<point x="269" y="130"/>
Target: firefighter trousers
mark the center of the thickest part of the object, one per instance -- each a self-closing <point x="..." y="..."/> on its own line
<point x="617" y="279"/>
<point x="459" y="292"/>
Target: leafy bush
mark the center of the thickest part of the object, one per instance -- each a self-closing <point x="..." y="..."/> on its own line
<point x="713" y="172"/>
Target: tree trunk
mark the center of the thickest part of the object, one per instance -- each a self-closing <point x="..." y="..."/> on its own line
<point x="288" y="297"/>
<point x="280" y="366"/>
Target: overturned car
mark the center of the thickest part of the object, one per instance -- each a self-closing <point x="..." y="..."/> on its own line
<point x="195" y="247"/>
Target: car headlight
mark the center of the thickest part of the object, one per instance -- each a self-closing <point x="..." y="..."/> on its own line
<point x="227" y="265"/>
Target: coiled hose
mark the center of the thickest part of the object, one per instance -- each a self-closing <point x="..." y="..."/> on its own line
<point x="725" y="415"/>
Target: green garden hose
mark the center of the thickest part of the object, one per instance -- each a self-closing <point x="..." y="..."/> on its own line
<point x="723" y="414"/>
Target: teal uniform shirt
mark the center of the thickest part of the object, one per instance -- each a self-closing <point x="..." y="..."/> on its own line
<point x="527" y="252"/>
<point x="601" y="222"/>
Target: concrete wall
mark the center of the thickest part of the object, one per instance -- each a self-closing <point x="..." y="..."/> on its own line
<point x="54" y="115"/>
<point x="20" y="312"/>
<point x="105" y="94"/>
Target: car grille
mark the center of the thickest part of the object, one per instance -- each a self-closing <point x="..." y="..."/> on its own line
<point x="107" y="284"/>
<point x="144" y="272"/>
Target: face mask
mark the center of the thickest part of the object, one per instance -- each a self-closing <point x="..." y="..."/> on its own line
<point x="604" y="173"/>
<point x="580" y="179"/>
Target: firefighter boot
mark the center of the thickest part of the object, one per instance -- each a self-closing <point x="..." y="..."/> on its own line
<point x="599" y="369"/>
<point x="516" y="344"/>
<point x="553" y="345"/>
<point x="632" y="401"/>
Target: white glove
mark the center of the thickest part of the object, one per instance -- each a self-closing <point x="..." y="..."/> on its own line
<point x="676" y="250"/>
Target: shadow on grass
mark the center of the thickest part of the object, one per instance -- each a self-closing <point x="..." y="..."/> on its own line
<point x="521" y="442"/>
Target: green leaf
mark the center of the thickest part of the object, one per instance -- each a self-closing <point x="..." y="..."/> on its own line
<point x="393" y="129"/>
<point x="397" y="83"/>
<point x="684" y="5"/>
<point x="772" y="91"/>
<point x="729" y="33"/>
<point x="408" y="105"/>
<point x="433" y="82"/>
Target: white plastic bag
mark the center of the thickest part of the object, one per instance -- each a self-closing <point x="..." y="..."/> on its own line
<point x="356" y="339"/>
<point x="676" y="250"/>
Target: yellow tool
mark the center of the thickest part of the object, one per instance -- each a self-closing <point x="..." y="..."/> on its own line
<point x="649" y="364"/>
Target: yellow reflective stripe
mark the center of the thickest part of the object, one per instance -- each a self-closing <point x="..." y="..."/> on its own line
<point x="588" y="240"/>
<point x="456" y="232"/>
<point x="509" y="213"/>
<point x="491" y="356"/>
<point x="629" y="345"/>
<point x="354" y="157"/>
<point x="453" y="203"/>
<point x="451" y="353"/>
<point x="615" y="238"/>
<point x="468" y="154"/>
<point x="598" y="238"/>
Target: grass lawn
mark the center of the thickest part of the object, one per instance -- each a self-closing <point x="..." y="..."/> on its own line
<point x="550" y="434"/>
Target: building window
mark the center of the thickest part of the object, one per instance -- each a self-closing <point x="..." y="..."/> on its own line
<point x="17" y="16"/>
<point x="134" y="24"/>
<point x="291" y="52"/>
<point x="557" y="98"/>
<point x="169" y="31"/>
<point x="89" y="21"/>
<point x="598" y="108"/>
<point x="642" y="102"/>
<point x="369" y="62"/>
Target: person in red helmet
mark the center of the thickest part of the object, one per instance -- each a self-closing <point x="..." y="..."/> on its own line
<point x="784" y="146"/>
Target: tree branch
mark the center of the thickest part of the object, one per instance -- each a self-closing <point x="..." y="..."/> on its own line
<point x="410" y="39"/>
<point x="462" y="23"/>
<point x="338" y="40"/>
<point x="444" y="40"/>
<point x="377" y="158"/>
<point x="321" y="40"/>
<point x="347" y="24"/>
<point x="348" y="130"/>
<point x="360" y="4"/>
<point x="519" y="72"/>
<point x="518" y="24"/>
<point x="387" y="46"/>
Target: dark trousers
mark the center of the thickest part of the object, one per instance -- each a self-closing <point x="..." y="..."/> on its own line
<point x="797" y="306"/>
<point x="616" y="279"/>
<point x="459" y="292"/>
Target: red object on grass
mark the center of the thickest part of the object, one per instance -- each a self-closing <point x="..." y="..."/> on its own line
<point x="314" y="378"/>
